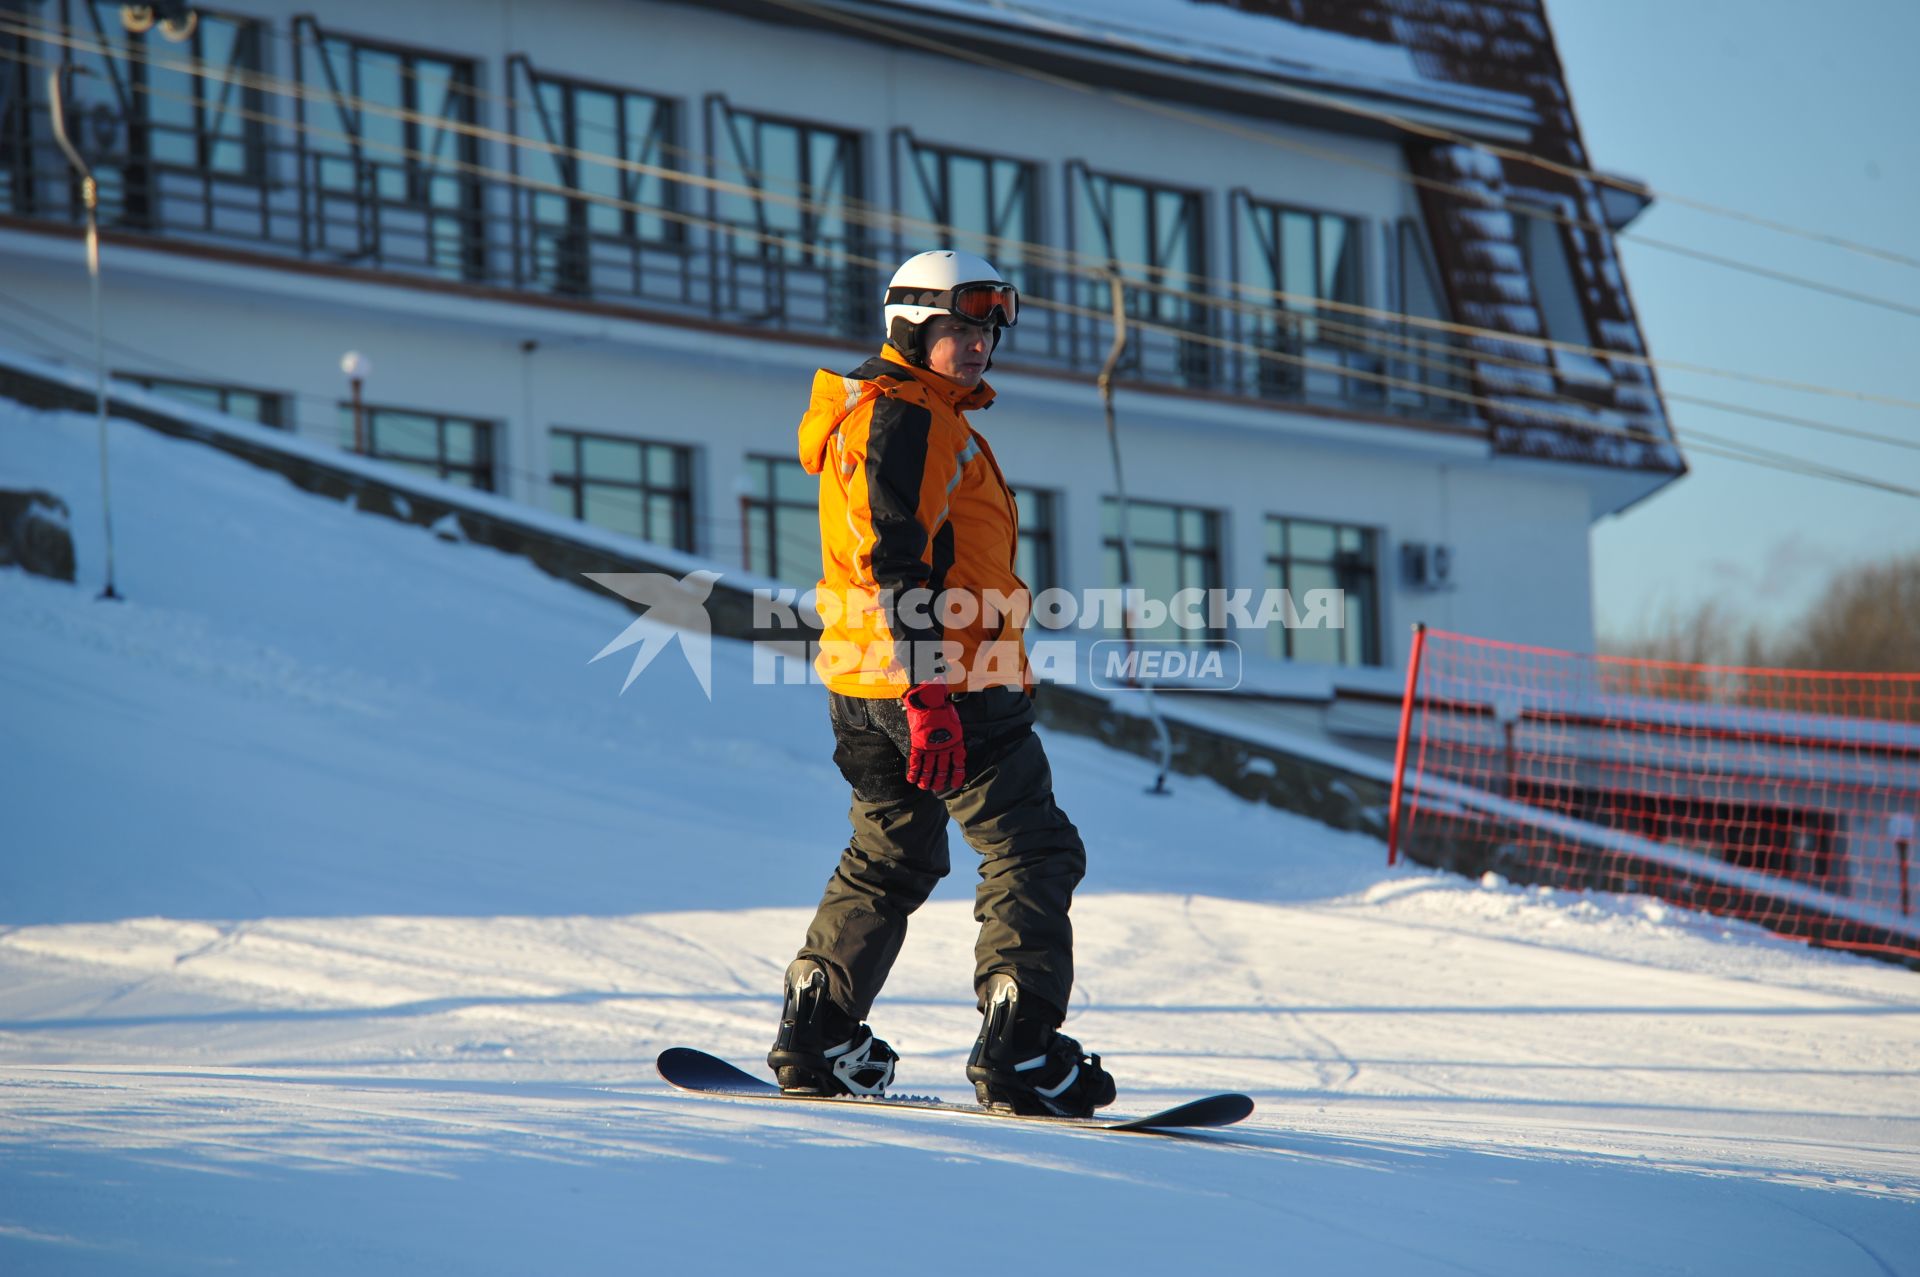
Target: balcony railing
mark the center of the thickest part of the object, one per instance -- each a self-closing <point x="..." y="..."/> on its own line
<point x="352" y="207"/>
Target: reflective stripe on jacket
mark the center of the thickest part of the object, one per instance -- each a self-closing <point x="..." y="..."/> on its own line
<point x="917" y="523"/>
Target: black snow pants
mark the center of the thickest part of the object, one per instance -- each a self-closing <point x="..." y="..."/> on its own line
<point x="1031" y="857"/>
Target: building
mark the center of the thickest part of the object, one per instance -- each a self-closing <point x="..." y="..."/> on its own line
<point x="594" y="249"/>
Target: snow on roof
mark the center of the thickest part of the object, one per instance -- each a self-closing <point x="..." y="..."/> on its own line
<point x="1212" y="35"/>
<point x="1494" y="67"/>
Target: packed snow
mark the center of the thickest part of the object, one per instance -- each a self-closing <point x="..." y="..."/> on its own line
<point x="345" y="904"/>
<point x="1215" y="36"/>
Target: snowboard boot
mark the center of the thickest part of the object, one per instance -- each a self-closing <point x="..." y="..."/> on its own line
<point x="1023" y="1064"/>
<point x="821" y="1050"/>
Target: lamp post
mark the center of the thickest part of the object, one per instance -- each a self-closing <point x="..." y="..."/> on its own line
<point x="358" y="368"/>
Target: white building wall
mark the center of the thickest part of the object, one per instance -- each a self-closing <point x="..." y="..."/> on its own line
<point x="1519" y="535"/>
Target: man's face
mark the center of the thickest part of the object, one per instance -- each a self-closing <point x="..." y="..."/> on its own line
<point x="958" y="350"/>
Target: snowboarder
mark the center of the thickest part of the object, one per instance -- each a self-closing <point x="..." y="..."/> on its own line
<point x="930" y="701"/>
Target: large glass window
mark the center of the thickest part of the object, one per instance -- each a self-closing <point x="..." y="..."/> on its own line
<point x="16" y="125"/>
<point x="780" y="520"/>
<point x="1155" y="236"/>
<point x="1420" y="356"/>
<point x="789" y="234"/>
<point x="388" y="152"/>
<point x="457" y="449"/>
<point x="989" y="202"/>
<point x="1309" y="554"/>
<point x="265" y="407"/>
<point x="203" y="106"/>
<point x="1544" y="242"/>
<point x="1036" y="558"/>
<point x="1175" y="548"/>
<point x="990" y="205"/>
<point x="1312" y="257"/>
<point x="150" y="107"/>
<point x="635" y="486"/>
<point x="1298" y="258"/>
<point x="1420" y="292"/>
<point x="619" y="209"/>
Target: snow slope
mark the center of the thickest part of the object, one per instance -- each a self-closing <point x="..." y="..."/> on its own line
<point x="344" y="904"/>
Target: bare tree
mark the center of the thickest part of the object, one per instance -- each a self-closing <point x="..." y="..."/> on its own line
<point x="1678" y="645"/>
<point x="1868" y="620"/>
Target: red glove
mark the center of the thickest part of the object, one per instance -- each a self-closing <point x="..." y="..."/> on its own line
<point x="938" y="758"/>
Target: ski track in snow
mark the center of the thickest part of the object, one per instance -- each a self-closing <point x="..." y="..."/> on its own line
<point x="346" y="905"/>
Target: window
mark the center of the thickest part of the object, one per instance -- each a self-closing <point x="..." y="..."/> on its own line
<point x="1307" y="554"/>
<point x="457" y="449"/>
<point x="983" y="198"/>
<point x="1419" y="356"/>
<point x="1035" y="559"/>
<point x="1155" y="235"/>
<point x="991" y="205"/>
<point x="789" y="238"/>
<point x="571" y="237"/>
<point x="16" y="124"/>
<point x="1174" y="548"/>
<point x="389" y="185"/>
<point x="635" y="486"/>
<point x="150" y="108"/>
<point x="780" y="520"/>
<point x="1554" y="286"/>
<point x="1420" y="292"/>
<point x="205" y="121"/>
<point x="1310" y="257"/>
<point x="265" y="407"/>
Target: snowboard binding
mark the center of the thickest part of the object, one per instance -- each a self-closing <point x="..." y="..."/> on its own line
<point x="1023" y="1064"/>
<point x="820" y="1049"/>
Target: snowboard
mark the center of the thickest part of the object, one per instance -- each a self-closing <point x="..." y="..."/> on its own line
<point x="692" y="1070"/>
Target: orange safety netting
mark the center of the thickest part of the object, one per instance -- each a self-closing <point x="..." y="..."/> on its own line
<point x="1788" y="797"/>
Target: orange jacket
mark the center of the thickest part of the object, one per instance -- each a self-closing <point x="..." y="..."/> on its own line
<point x="917" y="534"/>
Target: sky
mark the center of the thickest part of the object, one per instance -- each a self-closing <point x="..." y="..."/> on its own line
<point x="1808" y="115"/>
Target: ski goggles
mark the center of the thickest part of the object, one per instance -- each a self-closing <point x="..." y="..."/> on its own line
<point x="981" y="303"/>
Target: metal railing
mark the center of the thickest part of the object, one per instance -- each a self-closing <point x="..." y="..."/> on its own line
<point x="347" y="206"/>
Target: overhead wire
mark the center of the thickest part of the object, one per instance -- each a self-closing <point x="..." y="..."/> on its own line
<point x="1696" y="440"/>
<point x="788" y="541"/>
<point x="864" y="213"/>
<point x="898" y="35"/>
<point x="1583" y="423"/>
<point x="892" y="219"/>
<point x="1160" y="50"/>
<point x="1324" y="101"/>
<point x="1464" y="363"/>
<point x="1806" y="423"/>
<point x="843" y="255"/>
<point x="1710" y="444"/>
<point x="619" y="497"/>
<point x="709" y="223"/>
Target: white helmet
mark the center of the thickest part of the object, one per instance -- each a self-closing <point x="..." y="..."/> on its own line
<point x="946" y="281"/>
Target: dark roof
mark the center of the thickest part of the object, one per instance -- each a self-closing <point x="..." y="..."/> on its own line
<point x="1507" y="46"/>
<point x="1486" y="69"/>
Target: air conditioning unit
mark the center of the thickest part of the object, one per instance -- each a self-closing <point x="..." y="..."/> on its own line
<point x="1426" y="565"/>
